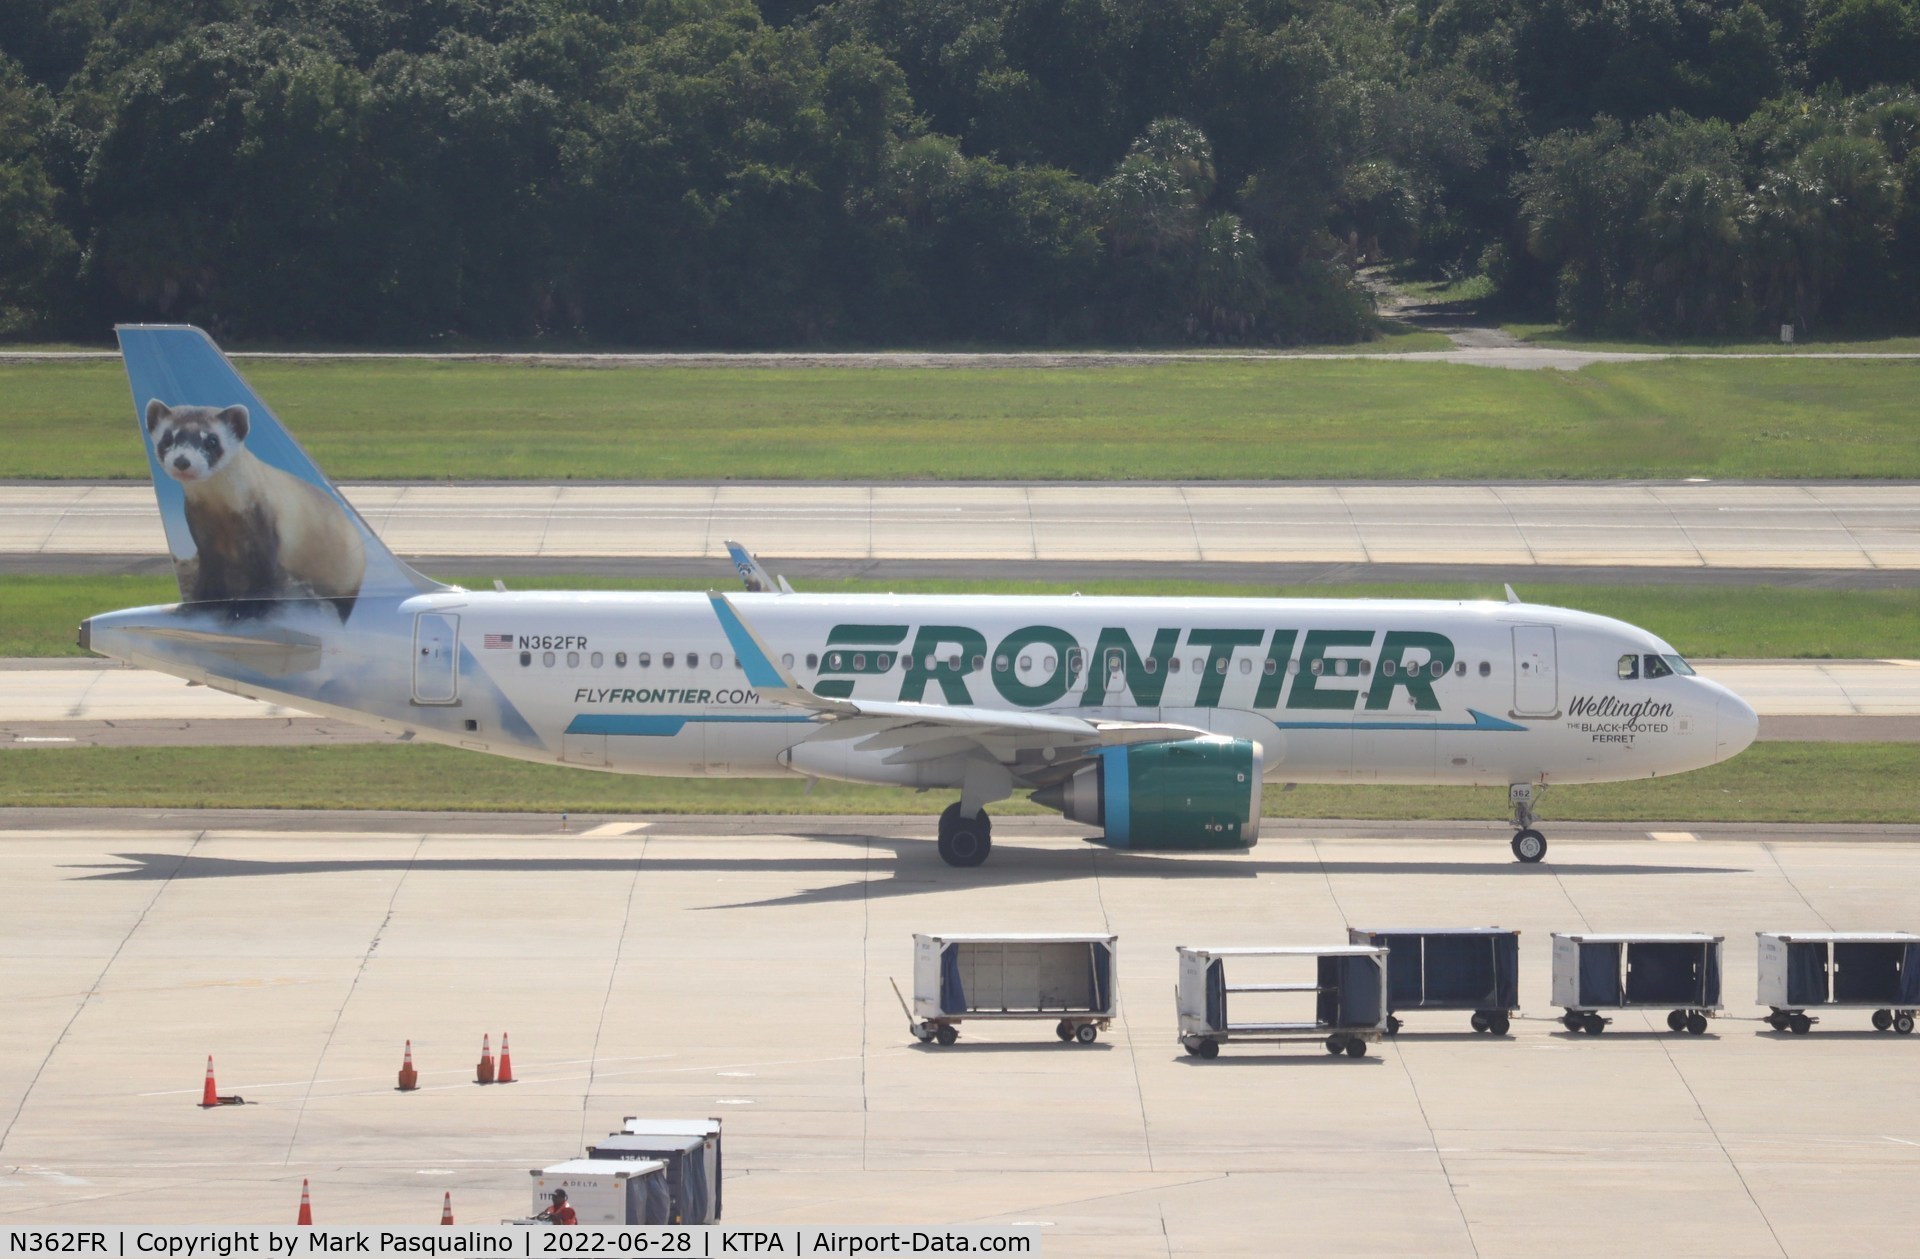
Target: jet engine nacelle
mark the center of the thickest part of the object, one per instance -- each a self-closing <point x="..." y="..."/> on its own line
<point x="1195" y="793"/>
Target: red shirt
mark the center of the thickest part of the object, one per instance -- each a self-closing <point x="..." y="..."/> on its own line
<point x="561" y="1213"/>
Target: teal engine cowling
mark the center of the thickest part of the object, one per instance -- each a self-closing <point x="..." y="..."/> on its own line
<point x="1191" y="794"/>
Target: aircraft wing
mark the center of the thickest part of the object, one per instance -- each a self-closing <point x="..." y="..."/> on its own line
<point x="928" y="731"/>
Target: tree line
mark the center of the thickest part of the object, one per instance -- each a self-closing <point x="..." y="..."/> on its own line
<point x="732" y="173"/>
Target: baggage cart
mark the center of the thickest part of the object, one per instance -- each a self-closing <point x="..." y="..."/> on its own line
<point x="1839" y="970"/>
<point x="1594" y="972"/>
<point x="693" y="1168"/>
<point x="708" y="1128"/>
<point x="1347" y="983"/>
<point x="601" y="1191"/>
<point x="1069" y="979"/>
<point x="1449" y="968"/>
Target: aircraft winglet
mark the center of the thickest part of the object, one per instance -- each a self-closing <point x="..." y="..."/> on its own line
<point x="753" y="575"/>
<point x="764" y="673"/>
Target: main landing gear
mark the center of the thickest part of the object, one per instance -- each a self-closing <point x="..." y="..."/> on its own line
<point x="1529" y="845"/>
<point x="965" y="841"/>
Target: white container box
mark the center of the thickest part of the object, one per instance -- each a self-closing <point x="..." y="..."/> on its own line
<point x="606" y="1191"/>
<point x="1839" y="970"/>
<point x="1345" y="985"/>
<point x="1069" y="979"/>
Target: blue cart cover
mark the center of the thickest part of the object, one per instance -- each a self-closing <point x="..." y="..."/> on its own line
<point x="1672" y="972"/>
<point x="1217" y="995"/>
<point x="953" y="997"/>
<point x="1403" y="969"/>
<point x="1870" y="972"/>
<point x="1350" y="993"/>
<point x="1100" y="976"/>
<point x="1807" y="973"/>
<point x="1599" y="974"/>
<point x="1450" y="970"/>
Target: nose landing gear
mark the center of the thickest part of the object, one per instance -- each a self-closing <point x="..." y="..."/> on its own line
<point x="1529" y="845"/>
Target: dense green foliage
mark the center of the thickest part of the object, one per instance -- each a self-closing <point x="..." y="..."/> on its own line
<point x="721" y="172"/>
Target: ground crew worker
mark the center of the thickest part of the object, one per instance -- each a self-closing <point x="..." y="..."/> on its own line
<point x="560" y="1212"/>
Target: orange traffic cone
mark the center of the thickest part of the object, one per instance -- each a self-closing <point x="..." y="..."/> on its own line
<point x="409" y="1078"/>
<point x="306" y="1205"/>
<point x="210" y="1095"/>
<point x="483" y="1074"/>
<point x="446" y="1209"/>
<point x="506" y="1063"/>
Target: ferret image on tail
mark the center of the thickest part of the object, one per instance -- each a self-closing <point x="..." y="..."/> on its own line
<point x="262" y="534"/>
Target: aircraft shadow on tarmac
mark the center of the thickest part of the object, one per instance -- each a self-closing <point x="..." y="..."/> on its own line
<point x="878" y="867"/>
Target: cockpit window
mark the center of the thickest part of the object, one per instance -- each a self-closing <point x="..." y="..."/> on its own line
<point x="1629" y="667"/>
<point x="1679" y="666"/>
<point x="1657" y="666"/>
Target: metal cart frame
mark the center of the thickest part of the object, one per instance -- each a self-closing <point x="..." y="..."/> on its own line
<point x="1202" y="1034"/>
<point x="930" y="1022"/>
<point x="1581" y="1016"/>
<point x="1785" y="1014"/>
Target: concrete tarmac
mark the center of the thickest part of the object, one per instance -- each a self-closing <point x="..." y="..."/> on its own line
<point x="741" y="968"/>
<point x="1511" y="528"/>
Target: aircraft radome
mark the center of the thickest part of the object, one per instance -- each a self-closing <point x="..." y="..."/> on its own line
<point x="1157" y="721"/>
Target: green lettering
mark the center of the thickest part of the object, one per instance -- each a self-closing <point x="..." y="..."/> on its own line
<point x="1221" y="642"/>
<point x="1417" y="680"/>
<point x="1144" y="683"/>
<point x="1007" y="681"/>
<point x="1281" y="651"/>
<point x="952" y="680"/>
<point x="866" y="635"/>
<point x="1306" y="692"/>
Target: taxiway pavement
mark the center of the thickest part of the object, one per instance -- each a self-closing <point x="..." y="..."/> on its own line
<point x="1512" y="528"/>
<point x="741" y="968"/>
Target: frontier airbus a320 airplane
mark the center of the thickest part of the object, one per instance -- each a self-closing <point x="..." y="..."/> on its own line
<point x="1156" y="721"/>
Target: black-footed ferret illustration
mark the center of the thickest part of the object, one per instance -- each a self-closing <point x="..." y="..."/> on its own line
<point x="262" y="534"/>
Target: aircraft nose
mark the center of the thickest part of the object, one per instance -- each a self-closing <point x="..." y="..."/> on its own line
<point x="1738" y="725"/>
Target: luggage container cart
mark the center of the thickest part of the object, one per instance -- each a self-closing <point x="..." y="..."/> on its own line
<point x="629" y="1191"/>
<point x="693" y="1168"/>
<point x="1349" y="988"/>
<point x="708" y="1128"/>
<point x="1449" y="968"/>
<point x="1067" y="978"/>
<point x="1839" y="970"/>
<point x="1594" y="972"/>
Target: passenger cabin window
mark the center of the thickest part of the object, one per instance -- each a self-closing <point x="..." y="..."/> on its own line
<point x="813" y="661"/>
<point x="1629" y="667"/>
<point x="546" y="658"/>
<point x="573" y="660"/>
<point x="1486" y="669"/>
<point x="1388" y="667"/>
<point x="644" y="660"/>
<point x="1656" y="666"/>
<point x="714" y="661"/>
<point x="1173" y="664"/>
<point x="619" y="659"/>
<point x="787" y="659"/>
<point x="526" y="658"/>
<point x="666" y="660"/>
<point x="596" y="660"/>
<point x="1273" y="666"/>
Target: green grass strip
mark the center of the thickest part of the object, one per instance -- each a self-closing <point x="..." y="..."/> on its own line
<point x="1278" y="419"/>
<point x="1771" y="782"/>
<point x="39" y="614"/>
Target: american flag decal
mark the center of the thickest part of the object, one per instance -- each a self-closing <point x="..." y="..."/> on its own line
<point x="499" y="641"/>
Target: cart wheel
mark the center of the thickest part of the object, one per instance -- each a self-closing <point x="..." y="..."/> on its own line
<point x="947" y="1034"/>
<point x="1777" y="1021"/>
<point x="1191" y="1044"/>
<point x="1800" y="1024"/>
<point x="1063" y="1029"/>
<point x="1498" y="1023"/>
<point x="1209" y="1049"/>
<point x="1882" y="1020"/>
<point x="1676" y="1020"/>
<point x="1479" y="1021"/>
<point x="1573" y="1022"/>
<point x="1356" y="1048"/>
<point x="1903" y="1022"/>
<point x="1696" y="1024"/>
<point x="922" y="1033"/>
<point x="1593" y="1025"/>
<point x="1086" y="1033"/>
<point x="1394" y="1025"/>
<point x="1336" y="1045"/>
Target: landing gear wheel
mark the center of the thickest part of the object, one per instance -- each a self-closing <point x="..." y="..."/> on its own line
<point x="1209" y="1049"/>
<point x="1903" y="1022"/>
<point x="1394" y="1025"/>
<point x="964" y="841"/>
<point x="1356" y="1048"/>
<point x="1676" y="1020"/>
<point x="1498" y="1023"/>
<point x="1529" y="845"/>
<point x="947" y="1034"/>
<point x="1086" y="1033"/>
<point x="1800" y="1024"/>
<point x="1593" y="1025"/>
<point x="1336" y="1045"/>
<point x="1479" y="1021"/>
<point x="1696" y="1024"/>
<point x="1063" y="1029"/>
<point x="1882" y="1020"/>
